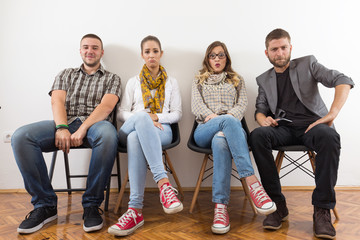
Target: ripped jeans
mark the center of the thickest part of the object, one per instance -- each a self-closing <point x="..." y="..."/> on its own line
<point x="227" y="139"/>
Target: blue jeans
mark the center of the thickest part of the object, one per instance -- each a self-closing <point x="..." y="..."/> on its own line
<point x="227" y="139"/>
<point x="30" y="141"/>
<point x="143" y="141"/>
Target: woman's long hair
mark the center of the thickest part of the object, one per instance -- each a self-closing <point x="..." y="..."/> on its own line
<point x="206" y="71"/>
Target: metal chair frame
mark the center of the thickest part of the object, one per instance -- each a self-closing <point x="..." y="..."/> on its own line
<point x="297" y="163"/>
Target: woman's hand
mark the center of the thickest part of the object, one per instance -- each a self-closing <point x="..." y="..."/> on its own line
<point x="158" y="125"/>
<point x="154" y="117"/>
<point x="211" y="116"/>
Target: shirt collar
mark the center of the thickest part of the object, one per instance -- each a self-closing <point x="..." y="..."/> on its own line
<point x="100" y="69"/>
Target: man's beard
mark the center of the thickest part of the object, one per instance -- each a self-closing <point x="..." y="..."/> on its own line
<point x="281" y="64"/>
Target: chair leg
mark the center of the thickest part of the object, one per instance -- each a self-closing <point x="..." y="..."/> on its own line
<point x="67" y="172"/>
<point x="121" y="193"/>
<point x="199" y="181"/>
<point x="247" y="194"/>
<point x="117" y="161"/>
<point x="167" y="159"/>
<point x="107" y="195"/>
<point x="336" y="214"/>
<point x="279" y="159"/>
<point x="52" y="165"/>
<point x="312" y="155"/>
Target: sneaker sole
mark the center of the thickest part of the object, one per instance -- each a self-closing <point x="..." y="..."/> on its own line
<point x="267" y="211"/>
<point x="276" y="227"/>
<point x="220" y="230"/>
<point x="118" y="232"/>
<point x="173" y="210"/>
<point x="94" y="228"/>
<point x="38" y="227"/>
<point x="324" y="236"/>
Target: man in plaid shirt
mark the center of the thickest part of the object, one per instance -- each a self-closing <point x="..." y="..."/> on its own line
<point x="82" y="100"/>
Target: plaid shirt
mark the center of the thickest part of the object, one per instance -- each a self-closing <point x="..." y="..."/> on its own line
<point x="219" y="98"/>
<point x="84" y="92"/>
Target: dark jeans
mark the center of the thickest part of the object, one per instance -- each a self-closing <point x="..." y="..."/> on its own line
<point x="30" y="141"/>
<point x="322" y="139"/>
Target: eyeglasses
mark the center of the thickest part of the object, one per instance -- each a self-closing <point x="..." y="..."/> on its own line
<point x="220" y="55"/>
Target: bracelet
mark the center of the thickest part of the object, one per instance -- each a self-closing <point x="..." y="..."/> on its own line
<point x="60" y="126"/>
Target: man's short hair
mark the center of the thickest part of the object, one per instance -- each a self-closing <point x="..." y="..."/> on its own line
<point x="91" y="35"/>
<point x="276" y="34"/>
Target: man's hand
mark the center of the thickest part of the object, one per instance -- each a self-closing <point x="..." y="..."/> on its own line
<point x="327" y="119"/>
<point x="62" y="140"/>
<point x="341" y="94"/>
<point x="77" y="137"/>
<point x="268" y="121"/>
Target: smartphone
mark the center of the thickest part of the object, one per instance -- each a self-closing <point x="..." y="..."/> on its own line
<point x="283" y="121"/>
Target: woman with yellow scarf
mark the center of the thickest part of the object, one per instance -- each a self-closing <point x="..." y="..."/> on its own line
<point x="150" y="103"/>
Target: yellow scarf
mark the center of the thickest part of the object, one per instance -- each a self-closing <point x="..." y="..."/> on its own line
<point x="155" y="104"/>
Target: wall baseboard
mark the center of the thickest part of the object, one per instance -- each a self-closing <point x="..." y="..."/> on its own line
<point x="191" y="189"/>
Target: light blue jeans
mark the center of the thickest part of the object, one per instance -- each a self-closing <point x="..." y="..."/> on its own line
<point x="30" y="141"/>
<point x="143" y="141"/>
<point x="227" y="139"/>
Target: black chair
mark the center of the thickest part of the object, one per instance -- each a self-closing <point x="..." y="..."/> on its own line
<point x="298" y="163"/>
<point x="69" y="176"/>
<point x="208" y="156"/>
<point x="166" y="160"/>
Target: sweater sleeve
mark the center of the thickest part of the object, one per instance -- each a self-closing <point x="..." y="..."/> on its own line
<point x="198" y="107"/>
<point x="241" y="103"/>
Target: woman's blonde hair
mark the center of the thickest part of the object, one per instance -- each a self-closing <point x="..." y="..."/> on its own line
<point x="232" y="77"/>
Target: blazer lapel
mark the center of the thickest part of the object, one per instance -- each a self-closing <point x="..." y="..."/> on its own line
<point x="295" y="80"/>
<point x="273" y="96"/>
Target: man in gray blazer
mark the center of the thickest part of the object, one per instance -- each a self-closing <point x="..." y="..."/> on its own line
<point x="290" y="90"/>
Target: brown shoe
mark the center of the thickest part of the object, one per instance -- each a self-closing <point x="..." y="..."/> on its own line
<point x="323" y="227"/>
<point x="273" y="220"/>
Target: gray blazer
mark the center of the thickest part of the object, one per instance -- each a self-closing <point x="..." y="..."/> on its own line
<point x="305" y="73"/>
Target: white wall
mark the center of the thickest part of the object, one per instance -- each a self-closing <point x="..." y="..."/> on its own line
<point x="41" y="37"/>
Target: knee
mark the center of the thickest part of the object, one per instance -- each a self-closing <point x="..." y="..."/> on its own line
<point x="230" y="120"/>
<point x="219" y="142"/>
<point x="107" y="133"/>
<point x="133" y="139"/>
<point x="17" y="135"/>
<point x="20" y="136"/>
<point x="329" y="138"/>
<point x="257" y="135"/>
<point x="141" y="116"/>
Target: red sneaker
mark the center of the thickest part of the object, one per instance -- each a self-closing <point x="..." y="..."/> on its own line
<point x="168" y="199"/>
<point x="128" y="223"/>
<point x="263" y="204"/>
<point x="221" y="223"/>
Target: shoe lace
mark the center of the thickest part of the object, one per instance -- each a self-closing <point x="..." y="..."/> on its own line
<point x="34" y="214"/>
<point x="220" y="215"/>
<point x="93" y="211"/>
<point x="127" y="217"/>
<point x="169" y="194"/>
<point x="260" y="194"/>
<point x="323" y="215"/>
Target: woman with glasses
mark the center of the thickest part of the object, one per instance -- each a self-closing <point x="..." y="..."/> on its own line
<point x="150" y="103"/>
<point x="218" y="102"/>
